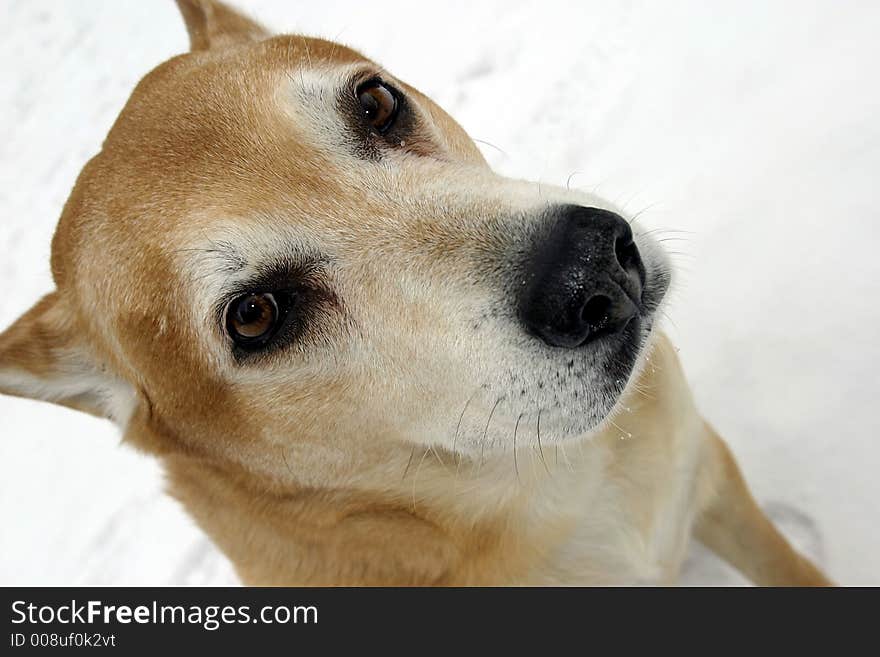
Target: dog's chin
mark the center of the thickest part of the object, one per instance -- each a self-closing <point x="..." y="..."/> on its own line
<point x="624" y="358"/>
<point x="625" y="354"/>
<point x="576" y="395"/>
<point x="620" y="361"/>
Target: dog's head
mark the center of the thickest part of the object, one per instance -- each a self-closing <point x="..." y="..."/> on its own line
<point x="281" y="243"/>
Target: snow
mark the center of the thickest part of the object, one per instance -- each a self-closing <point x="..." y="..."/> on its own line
<point x="753" y="125"/>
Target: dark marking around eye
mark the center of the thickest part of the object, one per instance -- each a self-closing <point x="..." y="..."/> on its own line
<point x="379" y="116"/>
<point x="283" y="305"/>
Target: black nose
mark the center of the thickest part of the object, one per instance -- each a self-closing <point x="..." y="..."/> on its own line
<point x="584" y="278"/>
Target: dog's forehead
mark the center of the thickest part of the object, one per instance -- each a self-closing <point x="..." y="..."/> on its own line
<point x="233" y="128"/>
<point x="234" y="133"/>
<point x="225" y="130"/>
<point x="215" y="114"/>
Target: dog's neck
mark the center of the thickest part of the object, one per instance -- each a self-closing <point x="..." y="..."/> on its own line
<point x="418" y="518"/>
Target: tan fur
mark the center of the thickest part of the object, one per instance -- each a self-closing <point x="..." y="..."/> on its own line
<point x="346" y="461"/>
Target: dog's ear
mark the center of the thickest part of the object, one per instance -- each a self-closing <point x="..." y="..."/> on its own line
<point x="212" y="24"/>
<point x="44" y="356"/>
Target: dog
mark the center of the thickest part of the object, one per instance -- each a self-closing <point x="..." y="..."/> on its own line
<point x="362" y="357"/>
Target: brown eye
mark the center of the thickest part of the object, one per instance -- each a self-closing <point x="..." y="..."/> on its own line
<point x="378" y="104"/>
<point x="251" y="319"/>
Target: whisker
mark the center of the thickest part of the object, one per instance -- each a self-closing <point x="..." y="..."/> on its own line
<point x="308" y="54"/>
<point x="486" y="432"/>
<point x="490" y="144"/>
<point x="627" y="434"/>
<point x="540" y="447"/>
<point x="284" y="458"/>
<point x="666" y="230"/>
<point x="489" y="421"/>
<point x="412" y="453"/>
<point x="416" y="477"/>
<point x="650" y="206"/>
<point x="515" y="463"/>
<point x="437" y="456"/>
<point x="641" y="391"/>
<point x="566" y="459"/>
<point x="458" y="426"/>
<point x="671" y="321"/>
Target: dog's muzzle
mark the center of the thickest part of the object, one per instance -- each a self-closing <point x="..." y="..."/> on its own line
<point x="583" y="280"/>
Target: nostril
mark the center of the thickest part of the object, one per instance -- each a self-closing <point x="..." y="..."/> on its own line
<point x="583" y="279"/>
<point x="595" y="311"/>
<point x="626" y="252"/>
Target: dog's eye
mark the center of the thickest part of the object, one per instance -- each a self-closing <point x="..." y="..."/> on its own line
<point x="378" y="102"/>
<point x="251" y="319"/>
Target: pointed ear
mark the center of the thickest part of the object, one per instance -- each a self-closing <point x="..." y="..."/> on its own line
<point x="43" y="356"/>
<point x="212" y="24"/>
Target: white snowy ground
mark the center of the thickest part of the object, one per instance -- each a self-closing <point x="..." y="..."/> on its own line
<point x="755" y="125"/>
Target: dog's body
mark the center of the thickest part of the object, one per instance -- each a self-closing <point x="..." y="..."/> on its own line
<point x="353" y="346"/>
